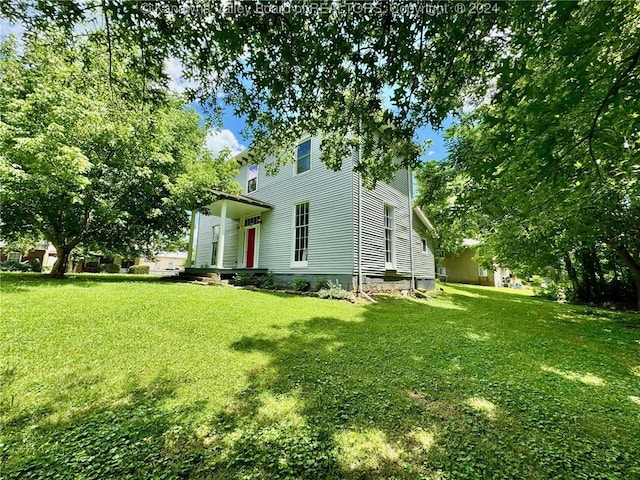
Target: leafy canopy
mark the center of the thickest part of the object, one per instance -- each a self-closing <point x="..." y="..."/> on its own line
<point x="375" y="70"/>
<point x="552" y="161"/>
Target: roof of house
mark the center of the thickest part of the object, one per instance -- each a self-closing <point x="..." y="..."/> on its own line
<point x="242" y="199"/>
<point x="423" y="218"/>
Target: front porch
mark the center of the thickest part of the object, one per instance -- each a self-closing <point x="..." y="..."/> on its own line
<point x="247" y="211"/>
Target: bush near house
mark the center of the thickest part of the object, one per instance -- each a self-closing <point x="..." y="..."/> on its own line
<point x="301" y="284"/>
<point x="244" y="279"/>
<point x="36" y="265"/>
<point x="334" y="290"/>
<point x="111" y="268"/>
<point x="139" y="269"/>
<point x="12" y="266"/>
<point x="266" y="281"/>
<point x="320" y="284"/>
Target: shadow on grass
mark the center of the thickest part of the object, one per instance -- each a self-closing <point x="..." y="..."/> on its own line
<point x="409" y="393"/>
<point x="405" y="390"/>
<point x="132" y="437"/>
<point x="11" y="282"/>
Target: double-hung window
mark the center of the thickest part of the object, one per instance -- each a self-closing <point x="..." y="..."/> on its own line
<point x="301" y="235"/>
<point x="214" y="244"/>
<point x="389" y="237"/>
<point x="252" y="178"/>
<point x="303" y="157"/>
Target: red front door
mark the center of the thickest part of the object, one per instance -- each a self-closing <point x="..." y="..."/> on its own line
<point x="251" y="246"/>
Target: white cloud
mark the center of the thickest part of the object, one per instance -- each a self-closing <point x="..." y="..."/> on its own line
<point x="219" y="139"/>
<point x="431" y="152"/>
<point x="174" y="69"/>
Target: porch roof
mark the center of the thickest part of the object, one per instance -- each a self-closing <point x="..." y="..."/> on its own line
<point x="237" y="205"/>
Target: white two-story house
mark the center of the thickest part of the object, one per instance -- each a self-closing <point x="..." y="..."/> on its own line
<point x="308" y="221"/>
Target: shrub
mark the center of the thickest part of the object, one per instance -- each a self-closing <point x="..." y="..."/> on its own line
<point x="551" y="290"/>
<point x="35" y="265"/>
<point x="301" y="284"/>
<point x="112" y="268"/>
<point x="11" y="266"/>
<point x="334" y="290"/>
<point x="320" y="284"/>
<point x="139" y="269"/>
<point x="266" y="281"/>
<point x="243" y="279"/>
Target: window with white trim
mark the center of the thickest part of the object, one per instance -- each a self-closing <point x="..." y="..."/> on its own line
<point x="442" y="271"/>
<point x="252" y="178"/>
<point x="441" y="254"/>
<point x="214" y="242"/>
<point x="389" y="236"/>
<point x="14" y="257"/>
<point x="301" y="235"/>
<point x="482" y="272"/>
<point x="303" y="157"/>
<point x="425" y="245"/>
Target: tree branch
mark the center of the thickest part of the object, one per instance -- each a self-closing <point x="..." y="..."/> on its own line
<point x="615" y="88"/>
<point x="109" y="47"/>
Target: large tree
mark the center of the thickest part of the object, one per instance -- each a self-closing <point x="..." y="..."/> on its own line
<point x="335" y="68"/>
<point x="378" y="69"/>
<point x="89" y="155"/>
<point x="553" y="158"/>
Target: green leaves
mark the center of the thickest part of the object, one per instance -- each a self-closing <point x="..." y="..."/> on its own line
<point x="550" y="159"/>
<point x="333" y="67"/>
<point x="87" y="158"/>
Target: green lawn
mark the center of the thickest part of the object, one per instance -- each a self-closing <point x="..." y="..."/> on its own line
<point x="143" y="379"/>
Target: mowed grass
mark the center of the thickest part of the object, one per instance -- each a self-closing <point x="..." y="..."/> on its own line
<point x="104" y="377"/>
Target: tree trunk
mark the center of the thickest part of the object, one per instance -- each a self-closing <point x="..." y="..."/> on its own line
<point x="602" y="281"/>
<point x="60" y="267"/>
<point x="634" y="267"/>
<point x="589" y="261"/>
<point x="571" y="271"/>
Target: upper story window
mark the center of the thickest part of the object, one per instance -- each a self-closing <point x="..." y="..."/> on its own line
<point x="252" y="178"/>
<point x="425" y="245"/>
<point x="389" y="237"/>
<point x="303" y="157"/>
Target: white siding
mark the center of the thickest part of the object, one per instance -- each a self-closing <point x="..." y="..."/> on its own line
<point x="373" y="240"/>
<point x="333" y="213"/>
<point x="330" y="216"/>
<point x="204" y="244"/>
<point x="423" y="262"/>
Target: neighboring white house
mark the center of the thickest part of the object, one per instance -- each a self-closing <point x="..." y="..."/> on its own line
<point x="309" y="221"/>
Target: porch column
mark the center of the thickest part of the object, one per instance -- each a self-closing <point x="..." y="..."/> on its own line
<point x="223" y="222"/>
